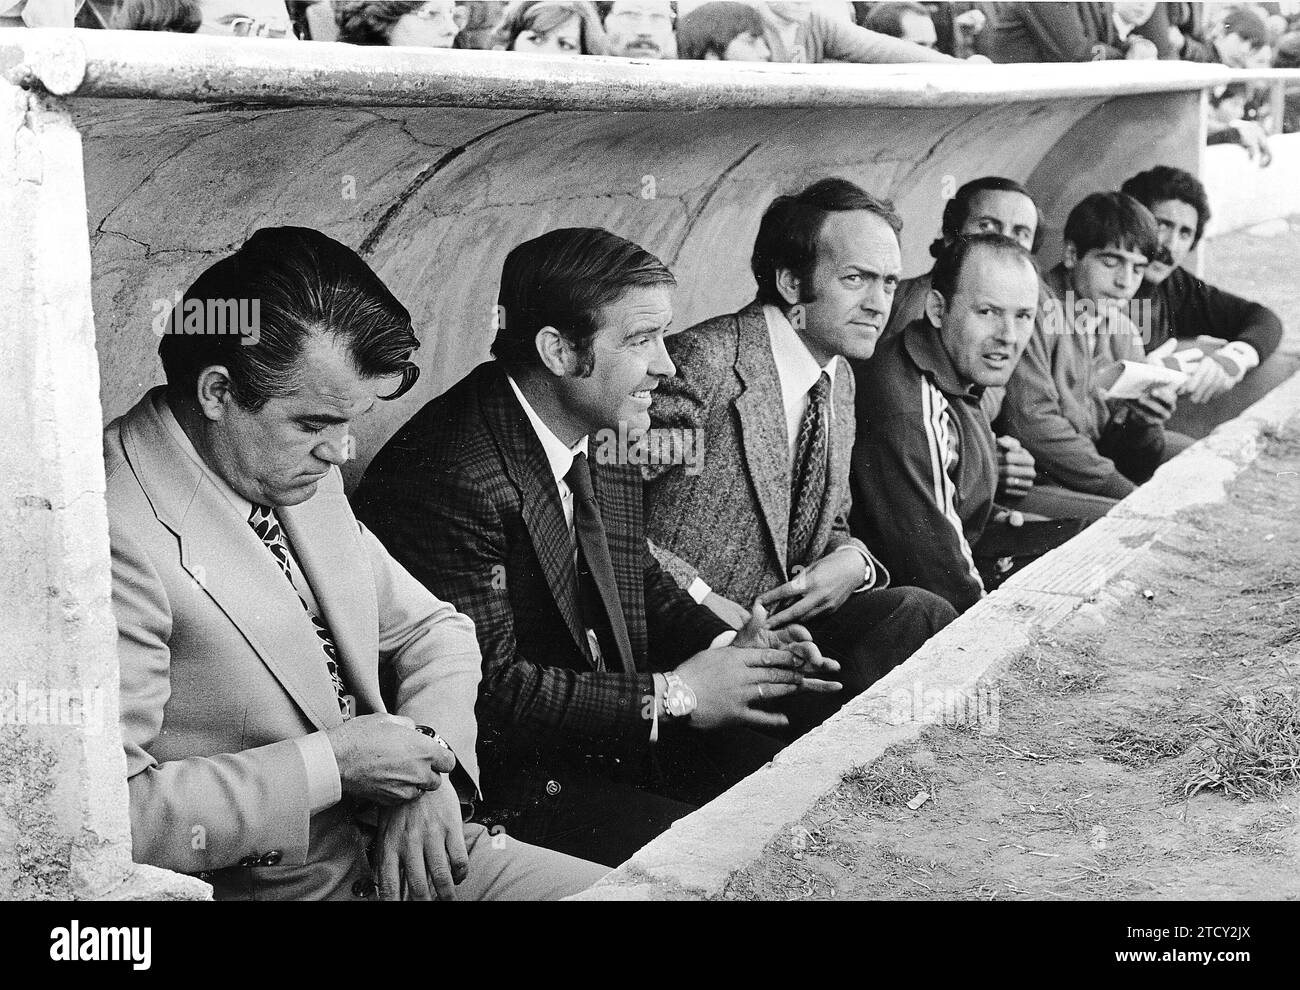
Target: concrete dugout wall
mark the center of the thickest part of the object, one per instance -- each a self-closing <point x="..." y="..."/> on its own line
<point x="434" y="164"/>
<point x="129" y="162"/>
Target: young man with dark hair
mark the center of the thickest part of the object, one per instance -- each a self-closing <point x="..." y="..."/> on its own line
<point x="725" y="31"/>
<point x="1224" y="378"/>
<point x="906" y="21"/>
<point x="256" y="619"/>
<point x="1056" y="402"/>
<point x="924" y="463"/>
<point x="1239" y="40"/>
<point x="769" y="394"/>
<point x="611" y="703"/>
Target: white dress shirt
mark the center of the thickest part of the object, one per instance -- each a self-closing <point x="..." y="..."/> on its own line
<point x="324" y="785"/>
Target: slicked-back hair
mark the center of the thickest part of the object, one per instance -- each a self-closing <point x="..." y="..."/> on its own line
<point x="302" y="283"/>
<point x="952" y="259"/>
<point x="1163" y="183"/>
<point x="957" y="210"/>
<point x="711" y="27"/>
<point x="1112" y="220"/>
<point x="788" y="232"/>
<point x="563" y="279"/>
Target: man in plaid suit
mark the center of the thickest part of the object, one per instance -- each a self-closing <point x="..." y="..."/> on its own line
<point x="770" y="394"/>
<point x="611" y="704"/>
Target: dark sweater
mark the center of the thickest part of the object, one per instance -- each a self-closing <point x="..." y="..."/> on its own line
<point x="1185" y="306"/>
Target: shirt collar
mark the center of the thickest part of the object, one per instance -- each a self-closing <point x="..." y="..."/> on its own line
<point x="795" y="366"/>
<point x="558" y="456"/>
<point x="242" y="505"/>
<point x="1122" y="26"/>
<point x="924" y="346"/>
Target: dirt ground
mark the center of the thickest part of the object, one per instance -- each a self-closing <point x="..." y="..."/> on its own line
<point x="1080" y="792"/>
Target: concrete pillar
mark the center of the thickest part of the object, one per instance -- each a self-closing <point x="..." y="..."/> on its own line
<point x="64" y="828"/>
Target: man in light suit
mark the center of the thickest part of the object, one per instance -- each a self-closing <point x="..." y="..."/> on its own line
<point x="770" y="397"/>
<point x="256" y="618"/>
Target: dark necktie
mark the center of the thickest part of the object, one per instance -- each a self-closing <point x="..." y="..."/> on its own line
<point x="602" y="610"/>
<point x="267" y="527"/>
<point x="808" y="479"/>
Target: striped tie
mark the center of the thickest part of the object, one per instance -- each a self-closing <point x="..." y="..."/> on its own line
<point x="267" y="528"/>
<point x="808" y="480"/>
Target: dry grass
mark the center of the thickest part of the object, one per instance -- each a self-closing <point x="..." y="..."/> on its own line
<point x="890" y="782"/>
<point x="1137" y="749"/>
<point x="1252" y="748"/>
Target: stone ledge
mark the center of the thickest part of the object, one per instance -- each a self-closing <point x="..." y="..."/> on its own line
<point x="696" y="857"/>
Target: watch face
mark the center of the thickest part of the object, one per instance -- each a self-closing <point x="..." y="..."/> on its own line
<point x="680" y="702"/>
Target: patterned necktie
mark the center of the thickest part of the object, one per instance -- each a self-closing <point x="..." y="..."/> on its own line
<point x="602" y="610"/>
<point x="267" y="527"/>
<point x="808" y="479"/>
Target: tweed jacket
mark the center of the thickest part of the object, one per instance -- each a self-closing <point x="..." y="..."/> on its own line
<point x="464" y="496"/>
<point x="222" y="671"/>
<point x="728" y="523"/>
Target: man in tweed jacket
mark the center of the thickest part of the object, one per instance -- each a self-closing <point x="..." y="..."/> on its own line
<point x="477" y="497"/>
<point x="826" y="262"/>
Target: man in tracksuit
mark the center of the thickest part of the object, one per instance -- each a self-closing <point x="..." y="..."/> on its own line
<point x="1241" y="364"/>
<point x="925" y="462"/>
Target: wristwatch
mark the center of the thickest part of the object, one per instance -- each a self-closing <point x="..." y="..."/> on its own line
<point x="679" y="699"/>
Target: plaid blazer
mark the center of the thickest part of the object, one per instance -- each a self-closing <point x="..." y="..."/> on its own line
<point x="728" y="523"/>
<point x="464" y="497"/>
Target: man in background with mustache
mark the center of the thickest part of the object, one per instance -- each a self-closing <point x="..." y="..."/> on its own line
<point x="640" y="28"/>
<point x="1236" y="362"/>
<point x="770" y="394"/>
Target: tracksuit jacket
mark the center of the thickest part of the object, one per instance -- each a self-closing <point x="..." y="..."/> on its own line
<point x="924" y="465"/>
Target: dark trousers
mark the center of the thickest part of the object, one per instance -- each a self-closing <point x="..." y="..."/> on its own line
<point x="869" y="635"/>
<point x="1138" y="448"/>
<point x="595" y="817"/>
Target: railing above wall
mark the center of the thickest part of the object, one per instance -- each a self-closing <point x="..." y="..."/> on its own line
<point x="206" y="69"/>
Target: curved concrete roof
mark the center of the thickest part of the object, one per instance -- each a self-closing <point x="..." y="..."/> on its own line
<point x="434" y="164"/>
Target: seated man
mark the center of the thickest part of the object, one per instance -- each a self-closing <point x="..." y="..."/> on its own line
<point x="770" y="397"/>
<point x="1238" y="39"/>
<point x="1224" y="378"/>
<point x="924" y="467"/>
<point x="639" y="28"/>
<point x="1056" y="402"/>
<point x="723" y="31"/>
<point x="256" y="617"/>
<point x="992" y="204"/>
<point x="612" y="704"/>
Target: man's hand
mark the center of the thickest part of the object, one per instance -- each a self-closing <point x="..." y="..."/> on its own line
<point x="728" y="681"/>
<point x="1255" y="140"/>
<point x="1015" y="469"/>
<point x="757" y="633"/>
<point x="1208" y="379"/>
<point x="420" y="848"/>
<point x="1156" y="406"/>
<point x="383" y="759"/>
<point x="970" y="23"/>
<point x="1141" y="48"/>
<point x="725" y="609"/>
<point x="821" y="587"/>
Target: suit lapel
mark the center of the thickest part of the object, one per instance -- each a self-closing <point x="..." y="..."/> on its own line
<point x="230" y="564"/>
<point x="529" y="471"/>
<point x="324" y="537"/>
<point x="762" y="426"/>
